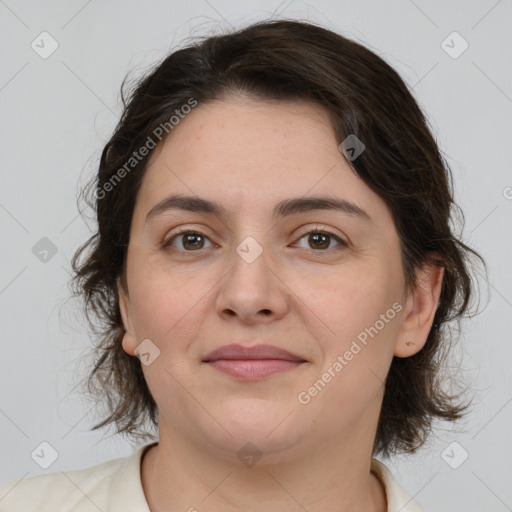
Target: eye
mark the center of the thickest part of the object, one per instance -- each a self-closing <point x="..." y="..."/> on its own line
<point x="321" y="240"/>
<point x="190" y="241"/>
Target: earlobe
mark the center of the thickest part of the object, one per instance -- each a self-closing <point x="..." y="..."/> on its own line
<point x="420" y="311"/>
<point x="129" y="342"/>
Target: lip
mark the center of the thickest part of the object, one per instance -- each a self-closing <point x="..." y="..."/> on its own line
<point x="240" y="352"/>
<point x="252" y="363"/>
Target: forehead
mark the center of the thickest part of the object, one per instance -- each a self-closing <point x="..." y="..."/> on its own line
<point x="248" y="153"/>
<point x="241" y="133"/>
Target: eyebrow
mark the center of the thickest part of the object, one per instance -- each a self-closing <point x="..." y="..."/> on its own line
<point x="282" y="209"/>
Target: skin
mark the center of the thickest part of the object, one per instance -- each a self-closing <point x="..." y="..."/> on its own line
<point x="310" y="298"/>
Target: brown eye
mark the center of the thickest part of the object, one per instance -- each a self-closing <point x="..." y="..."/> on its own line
<point x="321" y="240"/>
<point x="193" y="241"/>
<point x="190" y="241"/>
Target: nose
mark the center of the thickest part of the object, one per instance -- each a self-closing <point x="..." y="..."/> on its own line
<point x="252" y="291"/>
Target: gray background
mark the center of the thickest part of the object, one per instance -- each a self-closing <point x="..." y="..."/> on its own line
<point x="57" y="113"/>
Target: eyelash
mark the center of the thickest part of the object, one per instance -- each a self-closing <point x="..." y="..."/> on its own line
<point x="342" y="243"/>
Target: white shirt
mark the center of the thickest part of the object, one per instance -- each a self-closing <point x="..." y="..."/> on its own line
<point x="115" y="486"/>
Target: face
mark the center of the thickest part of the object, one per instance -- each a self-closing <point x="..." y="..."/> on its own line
<point x="323" y="284"/>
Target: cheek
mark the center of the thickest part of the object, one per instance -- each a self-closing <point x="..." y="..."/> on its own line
<point x="355" y="295"/>
<point x="167" y="302"/>
<point x="363" y="320"/>
<point x="360" y="307"/>
<point x="158" y="300"/>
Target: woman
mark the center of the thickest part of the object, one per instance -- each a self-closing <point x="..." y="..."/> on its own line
<point x="273" y="268"/>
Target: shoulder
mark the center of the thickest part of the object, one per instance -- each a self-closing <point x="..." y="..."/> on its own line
<point x="397" y="499"/>
<point x="100" y="487"/>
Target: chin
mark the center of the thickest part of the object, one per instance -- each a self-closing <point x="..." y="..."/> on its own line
<point x="259" y="422"/>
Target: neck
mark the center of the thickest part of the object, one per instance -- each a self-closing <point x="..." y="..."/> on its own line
<point x="178" y="475"/>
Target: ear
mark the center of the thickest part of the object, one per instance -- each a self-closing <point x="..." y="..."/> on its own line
<point x="129" y="338"/>
<point x="420" y="309"/>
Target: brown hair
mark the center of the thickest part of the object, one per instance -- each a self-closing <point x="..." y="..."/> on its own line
<point x="364" y="96"/>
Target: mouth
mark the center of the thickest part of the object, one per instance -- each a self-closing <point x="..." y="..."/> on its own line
<point x="252" y="363"/>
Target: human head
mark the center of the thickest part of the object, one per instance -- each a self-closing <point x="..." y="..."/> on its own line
<point x="287" y="61"/>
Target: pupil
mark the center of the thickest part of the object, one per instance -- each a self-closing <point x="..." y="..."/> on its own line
<point x="189" y="237"/>
<point x="324" y="237"/>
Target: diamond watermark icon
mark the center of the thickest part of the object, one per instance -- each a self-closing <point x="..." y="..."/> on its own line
<point x="352" y="147"/>
<point x="44" y="455"/>
<point x="44" y="45"/>
<point x="249" y="249"/>
<point x="44" y="250"/>
<point x="249" y="455"/>
<point x="454" y="45"/>
<point x="147" y="352"/>
<point x="454" y="455"/>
